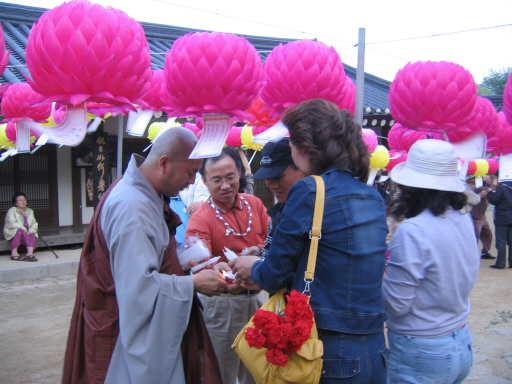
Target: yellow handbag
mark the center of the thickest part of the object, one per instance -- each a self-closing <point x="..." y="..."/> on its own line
<point x="305" y="365"/>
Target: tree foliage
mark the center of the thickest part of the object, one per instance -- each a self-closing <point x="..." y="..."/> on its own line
<point x="494" y="83"/>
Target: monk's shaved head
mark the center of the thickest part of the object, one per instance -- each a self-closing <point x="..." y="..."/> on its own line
<point x="177" y="143"/>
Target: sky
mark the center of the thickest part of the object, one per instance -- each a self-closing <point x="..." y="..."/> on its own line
<point x="475" y="34"/>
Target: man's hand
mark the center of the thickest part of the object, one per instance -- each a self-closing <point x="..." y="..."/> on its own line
<point x="251" y="251"/>
<point x="209" y="282"/>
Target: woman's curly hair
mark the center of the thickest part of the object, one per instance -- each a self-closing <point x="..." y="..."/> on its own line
<point x="329" y="136"/>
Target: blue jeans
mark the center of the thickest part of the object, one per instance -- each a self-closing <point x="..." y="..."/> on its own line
<point x="503" y="238"/>
<point x="445" y="359"/>
<point x="354" y="359"/>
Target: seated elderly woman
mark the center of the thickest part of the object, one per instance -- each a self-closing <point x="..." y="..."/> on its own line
<point x="21" y="228"/>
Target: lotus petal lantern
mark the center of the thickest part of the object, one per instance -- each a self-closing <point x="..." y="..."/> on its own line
<point x="212" y="72"/>
<point x="370" y="139"/>
<point x="157" y="97"/>
<point x="17" y="104"/>
<point x="395" y="157"/>
<point x="234" y="138"/>
<point x="259" y="117"/>
<point x="80" y="52"/>
<point x="401" y="138"/>
<point x="304" y="70"/>
<point x="484" y="120"/>
<point x="494" y="165"/>
<point x="432" y="96"/>
<point x="501" y="142"/>
<point x="507" y="99"/>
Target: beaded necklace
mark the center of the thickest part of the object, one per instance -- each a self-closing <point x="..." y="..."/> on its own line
<point x="228" y="228"/>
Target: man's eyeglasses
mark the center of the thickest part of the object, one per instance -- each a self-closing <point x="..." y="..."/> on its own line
<point x="218" y="182"/>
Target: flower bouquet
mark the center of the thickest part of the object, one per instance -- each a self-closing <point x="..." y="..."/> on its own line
<point x="283" y="332"/>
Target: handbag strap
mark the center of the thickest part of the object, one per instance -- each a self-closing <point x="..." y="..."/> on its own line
<point x="315" y="234"/>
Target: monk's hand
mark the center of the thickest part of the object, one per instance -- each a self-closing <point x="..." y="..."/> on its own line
<point x="209" y="282"/>
<point x="241" y="266"/>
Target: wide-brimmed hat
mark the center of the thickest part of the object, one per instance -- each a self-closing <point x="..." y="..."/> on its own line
<point x="276" y="156"/>
<point x="430" y="164"/>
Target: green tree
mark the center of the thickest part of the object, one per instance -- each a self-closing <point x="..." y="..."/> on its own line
<point x="494" y="84"/>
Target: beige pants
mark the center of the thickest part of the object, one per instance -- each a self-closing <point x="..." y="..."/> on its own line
<point x="225" y="316"/>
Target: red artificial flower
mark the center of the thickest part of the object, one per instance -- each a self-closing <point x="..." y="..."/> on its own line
<point x="282" y="335"/>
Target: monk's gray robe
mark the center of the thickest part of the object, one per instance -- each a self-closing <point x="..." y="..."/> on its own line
<point x="154" y="308"/>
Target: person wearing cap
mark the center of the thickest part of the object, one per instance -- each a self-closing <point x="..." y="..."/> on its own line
<point x="280" y="174"/>
<point x="432" y="270"/>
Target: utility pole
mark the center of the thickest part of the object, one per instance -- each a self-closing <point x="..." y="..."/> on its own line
<point x="360" y="77"/>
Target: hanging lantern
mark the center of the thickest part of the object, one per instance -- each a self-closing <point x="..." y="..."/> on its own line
<point x="212" y="72"/>
<point x="79" y="52"/>
<point x="304" y="70"/>
<point x="402" y="138"/>
<point x="259" y="117"/>
<point x="17" y="104"/>
<point x="194" y="128"/>
<point x="432" y="96"/>
<point x="157" y="97"/>
<point x="481" y="167"/>
<point x="349" y="93"/>
<point x="234" y="138"/>
<point x="4" y="55"/>
<point x="370" y="139"/>
<point x="500" y="143"/>
<point x="246" y="136"/>
<point x="395" y="157"/>
<point x="484" y="120"/>
<point x="494" y="165"/>
<point x="379" y="158"/>
<point x="507" y="99"/>
<point x="5" y="142"/>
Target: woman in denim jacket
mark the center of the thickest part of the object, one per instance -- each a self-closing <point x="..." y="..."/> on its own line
<point x="346" y="295"/>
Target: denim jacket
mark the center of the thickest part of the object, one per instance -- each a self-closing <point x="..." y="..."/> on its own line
<point x="346" y="294"/>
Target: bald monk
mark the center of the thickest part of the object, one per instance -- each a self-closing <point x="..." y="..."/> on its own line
<point x="136" y="317"/>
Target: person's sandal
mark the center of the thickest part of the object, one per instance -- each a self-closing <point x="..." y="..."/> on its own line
<point x="17" y="258"/>
<point x="30" y="258"/>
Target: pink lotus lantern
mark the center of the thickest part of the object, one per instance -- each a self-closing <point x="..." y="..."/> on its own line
<point x="17" y="104"/>
<point x="507" y="99"/>
<point x="157" y="97"/>
<point x="494" y="165"/>
<point x="501" y="142"/>
<point x="79" y="52"/>
<point x="395" y="157"/>
<point x="194" y="128"/>
<point x="484" y="120"/>
<point x="401" y="138"/>
<point x="259" y="117"/>
<point x="432" y="96"/>
<point x="4" y="55"/>
<point x="304" y="70"/>
<point x="370" y="139"/>
<point x="234" y="138"/>
<point x="349" y="99"/>
<point x="212" y="72"/>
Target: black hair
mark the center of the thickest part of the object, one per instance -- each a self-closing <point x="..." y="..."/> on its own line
<point x="16" y="195"/>
<point x="410" y="202"/>
<point x="227" y="151"/>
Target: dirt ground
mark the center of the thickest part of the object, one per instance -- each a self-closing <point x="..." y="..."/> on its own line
<point x="34" y="321"/>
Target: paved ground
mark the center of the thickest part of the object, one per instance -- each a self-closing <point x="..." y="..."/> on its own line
<point x="34" y="320"/>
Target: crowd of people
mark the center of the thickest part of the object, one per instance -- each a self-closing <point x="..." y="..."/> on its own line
<point x="407" y="265"/>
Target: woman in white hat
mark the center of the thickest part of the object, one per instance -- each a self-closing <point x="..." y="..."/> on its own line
<point x="433" y="266"/>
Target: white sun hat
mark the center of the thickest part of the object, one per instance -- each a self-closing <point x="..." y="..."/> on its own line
<point x="430" y="164"/>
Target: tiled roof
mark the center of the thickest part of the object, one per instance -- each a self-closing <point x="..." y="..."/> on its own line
<point x="18" y="19"/>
